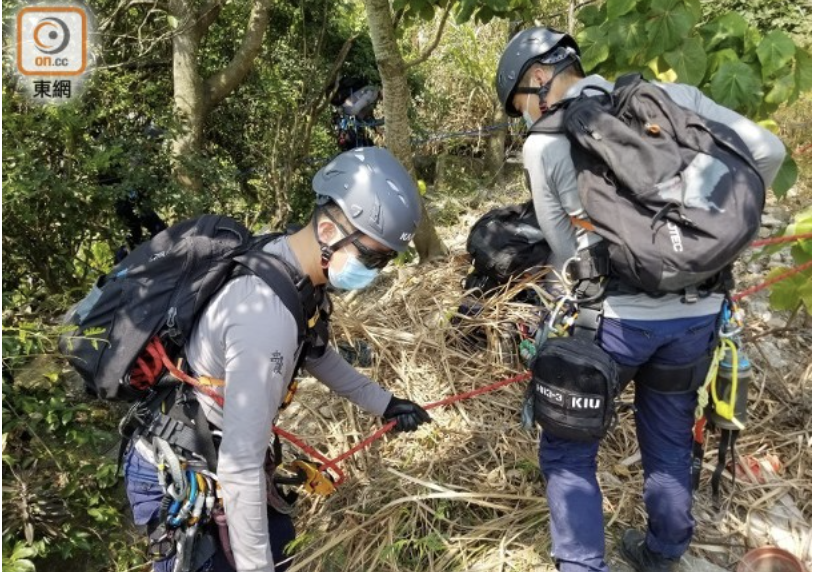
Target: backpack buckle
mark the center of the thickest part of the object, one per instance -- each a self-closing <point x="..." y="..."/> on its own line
<point x="690" y="295"/>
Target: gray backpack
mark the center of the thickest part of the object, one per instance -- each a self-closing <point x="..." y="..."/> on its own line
<point x="677" y="197"/>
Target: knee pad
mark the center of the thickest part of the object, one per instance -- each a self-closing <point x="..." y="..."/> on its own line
<point x="674" y="378"/>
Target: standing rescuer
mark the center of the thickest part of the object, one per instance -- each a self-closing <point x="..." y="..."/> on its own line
<point x="367" y="211"/>
<point x="663" y="339"/>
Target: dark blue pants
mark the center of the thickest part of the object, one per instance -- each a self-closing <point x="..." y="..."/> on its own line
<point x="145" y="494"/>
<point x="664" y="428"/>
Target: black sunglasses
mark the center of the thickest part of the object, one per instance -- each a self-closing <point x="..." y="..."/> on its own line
<point x="371" y="258"/>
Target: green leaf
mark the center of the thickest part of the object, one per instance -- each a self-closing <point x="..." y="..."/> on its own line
<point x="775" y="52"/>
<point x="786" y="177"/>
<point x="782" y="90"/>
<point x="618" y="8"/>
<point x="689" y="61"/>
<point x="23" y="566"/>
<point x="427" y="12"/>
<point x="786" y="294"/>
<point x="736" y="86"/>
<point x="666" y="29"/>
<point x="694" y="6"/>
<point x="663" y="5"/>
<point x="801" y="223"/>
<point x="802" y="70"/>
<point x="725" y="27"/>
<point x="465" y="11"/>
<point x="751" y="40"/>
<point x="719" y="58"/>
<point x="594" y="47"/>
<point x="801" y="251"/>
<point x="172" y="21"/>
<point x="592" y="16"/>
<point x="805" y="293"/>
<point x="484" y="15"/>
<point x="23" y="551"/>
<point x="627" y="38"/>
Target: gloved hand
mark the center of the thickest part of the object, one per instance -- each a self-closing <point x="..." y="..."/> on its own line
<point x="407" y="415"/>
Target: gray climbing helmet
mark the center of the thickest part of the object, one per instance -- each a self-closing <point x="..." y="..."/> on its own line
<point x="375" y="192"/>
<point x="541" y="45"/>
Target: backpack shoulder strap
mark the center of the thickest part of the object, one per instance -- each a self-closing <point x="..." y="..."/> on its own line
<point x="280" y="277"/>
<point x="627" y="80"/>
<point x="552" y="122"/>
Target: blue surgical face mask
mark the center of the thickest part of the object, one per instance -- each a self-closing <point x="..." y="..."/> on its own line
<point x="528" y="119"/>
<point x="353" y="276"/>
<point x="526" y="115"/>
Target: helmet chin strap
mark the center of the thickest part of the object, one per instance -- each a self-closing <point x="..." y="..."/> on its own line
<point x="559" y="67"/>
<point x="325" y="250"/>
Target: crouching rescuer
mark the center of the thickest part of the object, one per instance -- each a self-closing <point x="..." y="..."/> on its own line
<point x="646" y="193"/>
<point x="244" y="313"/>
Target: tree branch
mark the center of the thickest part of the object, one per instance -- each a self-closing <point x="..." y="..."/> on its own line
<point x="429" y="49"/>
<point x="222" y="83"/>
<point x="123" y="5"/>
<point x="548" y="17"/>
<point x="397" y="18"/>
<point x="208" y="15"/>
<point x="330" y="79"/>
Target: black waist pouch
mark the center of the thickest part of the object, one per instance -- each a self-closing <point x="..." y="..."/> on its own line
<point x="575" y="384"/>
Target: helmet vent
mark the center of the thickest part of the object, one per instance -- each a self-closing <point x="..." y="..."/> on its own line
<point x="393" y="186"/>
<point x="375" y="219"/>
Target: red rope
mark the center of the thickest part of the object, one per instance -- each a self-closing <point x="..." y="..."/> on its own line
<point x="776" y="279"/>
<point x="447" y="401"/>
<point x="780" y="239"/>
<point x="331" y="464"/>
<point x="182" y="376"/>
<point x="303" y="446"/>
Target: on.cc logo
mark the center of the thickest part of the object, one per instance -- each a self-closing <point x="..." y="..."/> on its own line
<point x="52" y="40"/>
<point x="52" y="35"/>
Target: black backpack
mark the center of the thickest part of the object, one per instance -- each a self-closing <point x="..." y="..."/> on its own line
<point x="505" y="243"/>
<point x="158" y="291"/>
<point x="676" y="196"/>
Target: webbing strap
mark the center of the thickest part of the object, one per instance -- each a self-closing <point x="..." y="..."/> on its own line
<point x="173" y="431"/>
<point x="728" y="438"/>
<point x="587" y="322"/>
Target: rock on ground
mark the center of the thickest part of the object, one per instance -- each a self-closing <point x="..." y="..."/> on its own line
<point x="688" y="564"/>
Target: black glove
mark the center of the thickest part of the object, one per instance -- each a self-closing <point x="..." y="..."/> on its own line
<point x="407" y="415"/>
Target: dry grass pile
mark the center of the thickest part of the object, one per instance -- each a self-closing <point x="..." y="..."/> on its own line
<point x="464" y="493"/>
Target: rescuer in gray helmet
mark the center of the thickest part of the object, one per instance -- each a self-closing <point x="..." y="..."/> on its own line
<point x="247" y="342"/>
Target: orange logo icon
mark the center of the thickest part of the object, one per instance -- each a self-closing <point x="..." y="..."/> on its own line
<point x="52" y="40"/>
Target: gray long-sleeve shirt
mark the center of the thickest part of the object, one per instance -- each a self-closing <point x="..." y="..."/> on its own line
<point x="553" y="181"/>
<point x="247" y="337"/>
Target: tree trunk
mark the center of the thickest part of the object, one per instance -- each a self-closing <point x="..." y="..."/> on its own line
<point x="194" y="97"/>
<point x="496" y="151"/>
<point x="396" y="103"/>
<point x="189" y="96"/>
<point x="496" y="147"/>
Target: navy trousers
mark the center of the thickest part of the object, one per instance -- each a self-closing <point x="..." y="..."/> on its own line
<point x="664" y="429"/>
<point x="145" y="494"/>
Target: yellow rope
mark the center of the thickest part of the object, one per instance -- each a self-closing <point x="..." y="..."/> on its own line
<point x="712" y="373"/>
